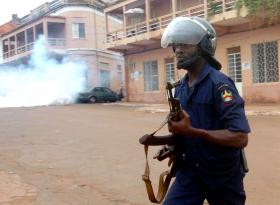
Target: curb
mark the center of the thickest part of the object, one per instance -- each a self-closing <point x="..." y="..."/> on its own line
<point x="163" y="108"/>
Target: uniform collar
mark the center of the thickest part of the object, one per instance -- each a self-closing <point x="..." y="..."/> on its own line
<point x="202" y="75"/>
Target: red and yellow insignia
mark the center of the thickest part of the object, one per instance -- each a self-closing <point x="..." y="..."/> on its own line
<point x="226" y="96"/>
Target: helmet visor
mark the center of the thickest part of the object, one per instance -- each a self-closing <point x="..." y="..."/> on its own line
<point x="182" y="30"/>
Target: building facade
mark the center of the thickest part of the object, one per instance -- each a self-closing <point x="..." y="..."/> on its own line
<point x="73" y="28"/>
<point x="247" y="47"/>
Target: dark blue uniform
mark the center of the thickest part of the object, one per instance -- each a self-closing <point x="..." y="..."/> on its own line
<point x="209" y="171"/>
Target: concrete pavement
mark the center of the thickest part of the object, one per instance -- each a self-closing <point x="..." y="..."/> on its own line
<point x="252" y="109"/>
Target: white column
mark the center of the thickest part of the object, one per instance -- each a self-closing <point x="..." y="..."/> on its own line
<point x="174" y="8"/>
<point x="148" y="15"/>
<point x="124" y="22"/>
<point x="205" y="9"/>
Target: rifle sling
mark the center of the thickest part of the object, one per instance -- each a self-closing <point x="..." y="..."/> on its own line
<point x="164" y="181"/>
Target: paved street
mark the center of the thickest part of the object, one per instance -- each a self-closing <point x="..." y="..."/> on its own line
<point x="89" y="155"/>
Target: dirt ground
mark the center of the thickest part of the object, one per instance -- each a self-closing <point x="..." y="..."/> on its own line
<point x="90" y="155"/>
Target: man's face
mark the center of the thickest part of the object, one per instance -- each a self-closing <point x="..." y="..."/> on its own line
<point x="184" y="51"/>
<point x="186" y="55"/>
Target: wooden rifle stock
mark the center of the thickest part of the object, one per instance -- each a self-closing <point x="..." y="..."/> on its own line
<point x="151" y="140"/>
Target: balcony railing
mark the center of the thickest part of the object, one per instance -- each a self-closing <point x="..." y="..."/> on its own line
<point x="56" y="41"/>
<point x="30" y="46"/>
<point x="219" y="7"/>
<point x="54" y="5"/>
<point x="162" y="21"/>
<point x="18" y="50"/>
<point x="192" y="11"/>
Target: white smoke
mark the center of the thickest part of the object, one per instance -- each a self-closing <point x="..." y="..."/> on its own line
<point x="43" y="81"/>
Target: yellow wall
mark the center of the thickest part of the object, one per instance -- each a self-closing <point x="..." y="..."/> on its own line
<point x="161" y="9"/>
<point x="135" y="87"/>
<point x="252" y="92"/>
<point x="95" y="29"/>
<point x="91" y="49"/>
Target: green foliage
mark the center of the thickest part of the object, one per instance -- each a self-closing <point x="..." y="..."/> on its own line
<point x="255" y="7"/>
<point x="214" y="8"/>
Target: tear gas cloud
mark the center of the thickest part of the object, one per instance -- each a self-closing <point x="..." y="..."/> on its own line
<point x="43" y="81"/>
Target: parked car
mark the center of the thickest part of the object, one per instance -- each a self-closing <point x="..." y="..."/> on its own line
<point x="98" y="94"/>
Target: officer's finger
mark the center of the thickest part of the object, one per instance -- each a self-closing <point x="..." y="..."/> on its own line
<point x="171" y="122"/>
<point x="170" y="125"/>
<point x="160" y="152"/>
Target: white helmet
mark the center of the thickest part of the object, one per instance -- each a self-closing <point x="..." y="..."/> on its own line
<point x="190" y="30"/>
<point x="193" y="31"/>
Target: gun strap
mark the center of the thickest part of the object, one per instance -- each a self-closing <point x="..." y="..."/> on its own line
<point x="164" y="181"/>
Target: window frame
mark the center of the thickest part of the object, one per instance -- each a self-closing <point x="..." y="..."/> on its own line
<point x="260" y="64"/>
<point x="76" y="32"/>
<point x="170" y="75"/>
<point x="151" y="78"/>
<point x="234" y="63"/>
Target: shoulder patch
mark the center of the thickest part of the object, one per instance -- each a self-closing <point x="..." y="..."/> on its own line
<point x="226" y="95"/>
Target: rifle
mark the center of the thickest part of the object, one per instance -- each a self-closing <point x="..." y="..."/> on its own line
<point x="168" y="151"/>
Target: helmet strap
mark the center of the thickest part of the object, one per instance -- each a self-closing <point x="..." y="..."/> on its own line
<point x="189" y="61"/>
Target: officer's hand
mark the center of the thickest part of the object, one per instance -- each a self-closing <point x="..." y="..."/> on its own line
<point x="160" y="152"/>
<point x="181" y="127"/>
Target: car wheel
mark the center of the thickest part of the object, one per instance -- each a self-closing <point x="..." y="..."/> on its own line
<point x="92" y="99"/>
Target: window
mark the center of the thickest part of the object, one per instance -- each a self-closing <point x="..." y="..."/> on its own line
<point x="234" y="64"/>
<point x="103" y="65"/>
<point x="105" y="78"/>
<point x="120" y="74"/>
<point x="20" y="39"/>
<point x="5" y="45"/>
<point x="134" y="19"/>
<point x="12" y="43"/>
<point x="39" y="30"/>
<point x="104" y="74"/>
<point x="150" y="76"/>
<point x="132" y="70"/>
<point x="265" y="62"/>
<point x="169" y="70"/>
<point x="132" y="67"/>
<point x="78" y="30"/>
<point x="30" y="35"/>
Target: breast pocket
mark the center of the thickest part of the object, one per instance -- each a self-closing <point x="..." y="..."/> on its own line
<point x="205" y="113"/>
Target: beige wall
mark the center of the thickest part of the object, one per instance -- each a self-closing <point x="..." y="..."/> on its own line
<point x="161" y="9"/>
<point x="95" y="28"/>
<point x="189" y="3"/>
<point x="252" y="92"/>
<point x="135" y="87"/>
<point x="92" y="59"/>
<point x="91" y="48"/>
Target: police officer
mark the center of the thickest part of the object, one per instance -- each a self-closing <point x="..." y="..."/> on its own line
<point x="213" y="127"/>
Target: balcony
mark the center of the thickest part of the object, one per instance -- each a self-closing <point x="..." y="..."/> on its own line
<point x="221" y="13"/>
<point x="53" y="42"/>
<point x="55" y="5"/>
<point x="20" y="42"/>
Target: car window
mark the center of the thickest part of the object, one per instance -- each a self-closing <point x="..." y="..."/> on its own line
<point x="108" y="90"/>
<point x="101" y="90"/>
